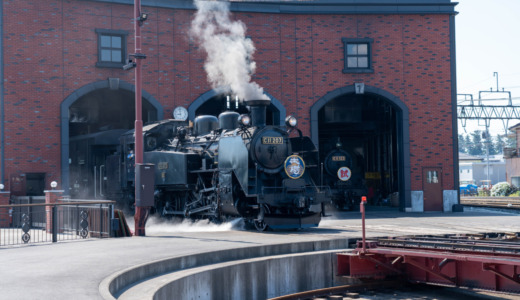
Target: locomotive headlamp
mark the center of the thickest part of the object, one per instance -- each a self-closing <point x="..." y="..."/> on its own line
<point x="245" y="120"/>
<point x="291" y="121"/>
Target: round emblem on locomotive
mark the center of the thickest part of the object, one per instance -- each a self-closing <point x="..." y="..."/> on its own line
<point x="344" y="173"/>
<point x="294" y="166"/>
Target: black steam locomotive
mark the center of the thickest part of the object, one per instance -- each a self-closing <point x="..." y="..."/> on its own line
<point x="233" y="165"/>
<point x="343" y="174"/>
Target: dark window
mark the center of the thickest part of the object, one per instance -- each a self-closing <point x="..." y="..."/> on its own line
<point x="111" y="48"/>
<point x="358" y="55"/>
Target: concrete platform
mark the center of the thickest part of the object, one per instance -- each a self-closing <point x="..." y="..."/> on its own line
<point x="77" y="269"/>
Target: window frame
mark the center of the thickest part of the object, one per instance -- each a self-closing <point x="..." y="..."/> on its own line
<point x="110" y="32"/>
<point x="368" y="42"/>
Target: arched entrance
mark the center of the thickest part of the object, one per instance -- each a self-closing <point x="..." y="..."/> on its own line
<point x="92" y="119"/>
<point x="212" y="103"/>
<point x="371" y="129"/>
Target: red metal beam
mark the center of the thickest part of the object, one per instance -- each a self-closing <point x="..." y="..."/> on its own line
<point x="482" y="258"/>
<point x="514" y="278"/>
<point x="472" y="270"/>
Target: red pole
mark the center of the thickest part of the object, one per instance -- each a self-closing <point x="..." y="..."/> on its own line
<point x="141" y="213"/>
<point x="362" y="208"/>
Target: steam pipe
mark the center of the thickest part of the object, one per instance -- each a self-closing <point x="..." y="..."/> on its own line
<point x="2" y="113"/>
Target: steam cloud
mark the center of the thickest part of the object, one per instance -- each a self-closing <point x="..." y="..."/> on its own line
<point x="159" y="226"/>
<point x="229" y="63"/>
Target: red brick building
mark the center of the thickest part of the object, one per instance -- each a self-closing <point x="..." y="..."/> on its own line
<point x="379" y="76"/>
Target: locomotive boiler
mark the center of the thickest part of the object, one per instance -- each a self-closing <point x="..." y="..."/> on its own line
<point x="233" y="165"/>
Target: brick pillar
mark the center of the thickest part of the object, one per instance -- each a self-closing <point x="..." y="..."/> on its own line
<point x="5" y="219"/>
<point x="51" y="197"/>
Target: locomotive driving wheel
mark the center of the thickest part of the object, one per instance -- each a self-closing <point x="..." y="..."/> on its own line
<point x="260" y="225"/>
<point x="259" y="222"/>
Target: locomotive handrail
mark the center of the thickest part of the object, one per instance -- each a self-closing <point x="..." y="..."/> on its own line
<point x="256" y="178"/>
<point x="204" y="171"/>
<point x="95" y="185"/>
<point x="321" y="177"/>
<point x="101" y="180"/>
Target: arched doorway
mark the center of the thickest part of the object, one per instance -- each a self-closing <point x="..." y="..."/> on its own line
<point x="92" y="119"/>
<point x="371" y="128"/>
<point x="212" y="103"/>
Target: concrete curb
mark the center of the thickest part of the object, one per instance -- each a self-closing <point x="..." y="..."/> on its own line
<point x="256" y="278"/>
<point x="113" y="286"/>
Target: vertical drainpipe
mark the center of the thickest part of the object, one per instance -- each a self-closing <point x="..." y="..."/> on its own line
<point x="2" y="114"/>
<point x="455" y="123"/>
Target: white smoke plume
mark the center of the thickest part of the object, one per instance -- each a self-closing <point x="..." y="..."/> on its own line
<point x="159" y="226"/>
<point x="229" y="64"/>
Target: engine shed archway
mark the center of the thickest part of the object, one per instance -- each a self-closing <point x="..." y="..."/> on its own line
<point x="99" y="111"/>
<point x="214" y="103"/>
<point x="373" y="128"/>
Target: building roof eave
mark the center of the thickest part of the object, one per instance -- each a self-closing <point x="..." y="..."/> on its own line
<point x="317" y="6"/>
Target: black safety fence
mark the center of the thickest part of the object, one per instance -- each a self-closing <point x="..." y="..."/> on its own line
<point x="29" y="220"/>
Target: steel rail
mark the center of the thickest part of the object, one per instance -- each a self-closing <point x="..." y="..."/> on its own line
<point x="494" y="248"/>
<point x="500" y="202"/>
<point x="336" y="290"/>
<point x="421" y="253"/>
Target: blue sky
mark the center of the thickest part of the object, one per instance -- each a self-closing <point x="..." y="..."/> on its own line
<point x="488" y="41"/>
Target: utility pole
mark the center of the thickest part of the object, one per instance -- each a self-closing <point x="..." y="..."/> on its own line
<point x="141" y="212"/>
<point x="487" y="152"/>
<point x="496" y="74"/>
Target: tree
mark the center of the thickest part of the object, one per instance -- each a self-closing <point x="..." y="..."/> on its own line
<point x="468" y="143"/>
<point x="511" y="140"/>
<point x="463" y="145"/>
<point x="500" y="143"/>
<point x="477" y="146"/>
<point x="493" y="145"/>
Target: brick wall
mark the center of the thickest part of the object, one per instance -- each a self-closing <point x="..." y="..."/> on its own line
<point x="5" y="219"/>
<point x="50" y="50"/>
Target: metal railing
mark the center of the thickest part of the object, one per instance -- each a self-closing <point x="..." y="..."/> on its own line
<point x="30" y="220"/>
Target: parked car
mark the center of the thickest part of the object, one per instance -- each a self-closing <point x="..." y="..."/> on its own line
<point x="468" y="190"/>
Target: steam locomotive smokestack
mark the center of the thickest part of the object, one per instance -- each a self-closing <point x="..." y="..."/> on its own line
<point x="258" y="111"/>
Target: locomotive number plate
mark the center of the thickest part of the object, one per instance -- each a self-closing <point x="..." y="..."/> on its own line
<point x="162" y="165"/>
<point x="272" y="140"/>
<point x="338" y="158"/>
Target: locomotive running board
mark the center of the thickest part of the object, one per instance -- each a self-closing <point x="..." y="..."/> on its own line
<point x="295" y="222"/>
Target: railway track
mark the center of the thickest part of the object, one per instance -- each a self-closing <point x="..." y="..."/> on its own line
<point x="344" y="291"/>
<point x="496" y="202"/>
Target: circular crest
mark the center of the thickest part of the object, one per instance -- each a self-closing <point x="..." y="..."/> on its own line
<point x="294" y="166"/>
<point x="344" y="173"/>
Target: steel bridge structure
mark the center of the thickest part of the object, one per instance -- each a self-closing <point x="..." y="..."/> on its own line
<point x="480" y="109"/>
